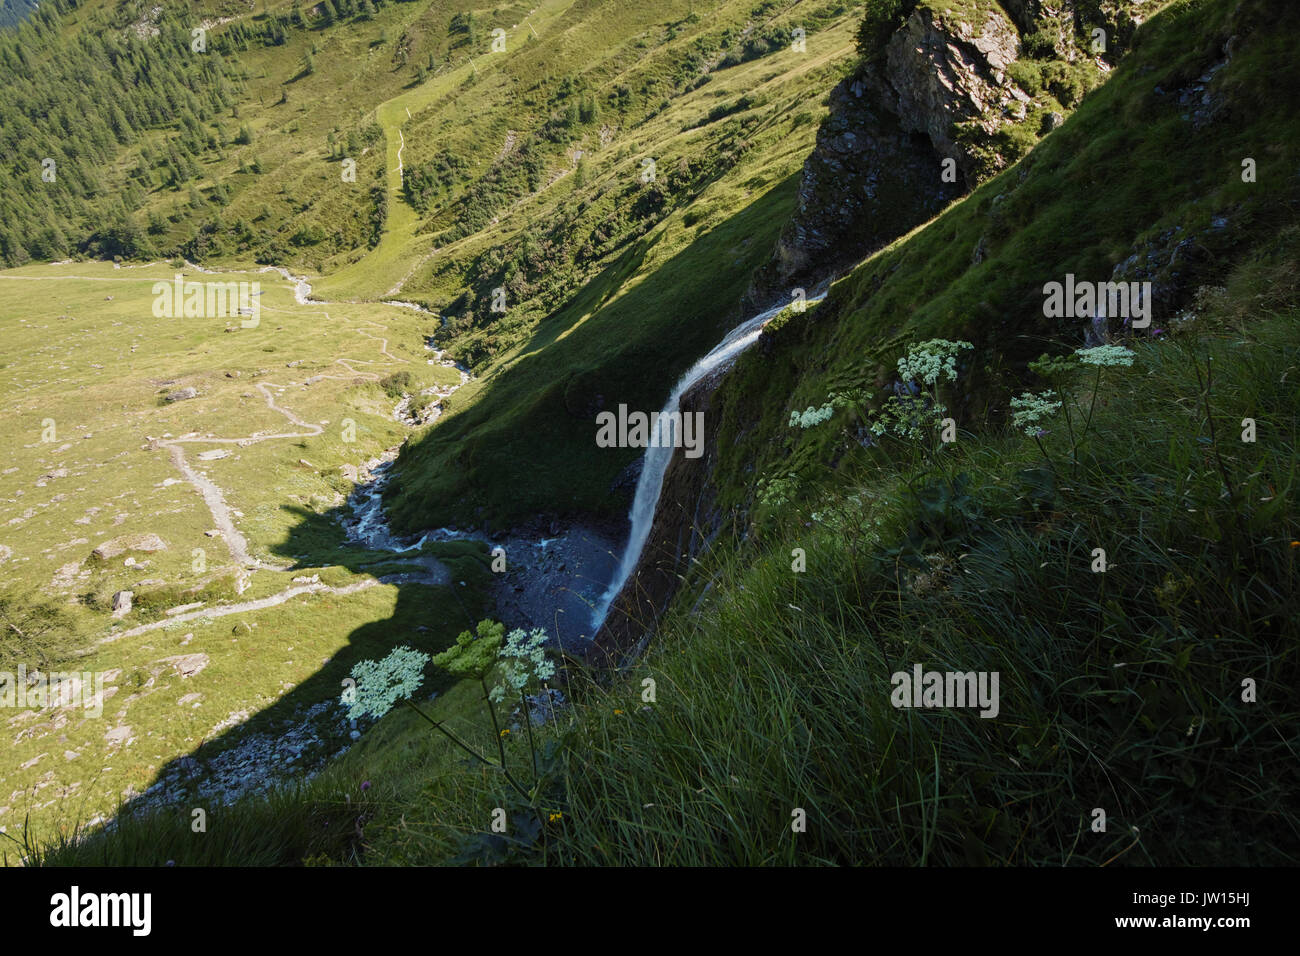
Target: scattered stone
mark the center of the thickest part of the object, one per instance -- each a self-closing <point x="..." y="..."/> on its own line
<point x="129" y="542"/>
<point x="187" y="665"/>
<point x="214" y="454"/>
<point x="122" y="601"/>
<point x="181" y="394"/>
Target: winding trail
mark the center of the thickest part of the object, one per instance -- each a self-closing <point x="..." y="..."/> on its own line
<point x="212" y="493"/>
<point x="215" y="498"/>
<point x="242" y="607"/>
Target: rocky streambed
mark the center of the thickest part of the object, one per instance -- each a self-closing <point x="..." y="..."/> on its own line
<point x="553" y="573"/>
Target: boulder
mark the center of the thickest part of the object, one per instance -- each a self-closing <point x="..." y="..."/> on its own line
<point x="187" y="665"/>
<point x="122" y="603"/>
<point x="129" y="542"/>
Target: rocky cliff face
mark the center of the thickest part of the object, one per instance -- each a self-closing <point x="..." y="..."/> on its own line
<point x="959" y="91"/>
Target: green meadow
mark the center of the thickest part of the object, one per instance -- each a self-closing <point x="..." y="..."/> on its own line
<point x="86" y="357"/>
<point x="87" y="371"/>
<point x="616" y="175"/>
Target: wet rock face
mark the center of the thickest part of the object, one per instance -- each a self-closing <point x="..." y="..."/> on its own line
<point x="624" y="484"/>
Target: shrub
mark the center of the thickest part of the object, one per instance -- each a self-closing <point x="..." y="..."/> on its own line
<point x="33" y="632"/>
<point x="882" y="19"/>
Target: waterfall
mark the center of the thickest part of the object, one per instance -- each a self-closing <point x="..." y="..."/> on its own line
<point x="660" y="452"/>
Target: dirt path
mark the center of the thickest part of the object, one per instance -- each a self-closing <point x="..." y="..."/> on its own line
<point x="215" y="498"/>
<point x="212" y="493"/>
<point x="440" y="577"/>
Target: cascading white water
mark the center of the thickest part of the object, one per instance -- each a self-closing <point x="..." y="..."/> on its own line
<point x="658" y="455"/>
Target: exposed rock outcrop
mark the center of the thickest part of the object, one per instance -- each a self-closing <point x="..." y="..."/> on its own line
<point x="879" y="165"/>
<point x="935" y="112"/>
<point x="122" y="603"/>
<point x="147" y="542"/>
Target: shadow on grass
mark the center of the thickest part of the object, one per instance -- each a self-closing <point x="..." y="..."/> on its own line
<point x="511" y="455"/>
<point x="531" y="431"/>
<point x="441" y="591"/>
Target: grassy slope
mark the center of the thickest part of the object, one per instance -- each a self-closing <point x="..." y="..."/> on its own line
<point x="88" y="355"/>
<point x="1120" y="690"/>
<point x="285" y="509"/>
<point x="612" y="325"/>
<point x="1093" y="193"/>
<point x="641" y="318"/>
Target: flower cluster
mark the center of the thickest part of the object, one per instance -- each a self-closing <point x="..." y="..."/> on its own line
<point x="778" y="490"/>
<point x="523" y="660"/>
<point x="907" y="416"/>
<point x="381" y="684"/>
<point x="1104" y="356"/>
<point x="812" y="416"/>
<point x="930" y="361"/>
<point x="1030" y="409"/>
